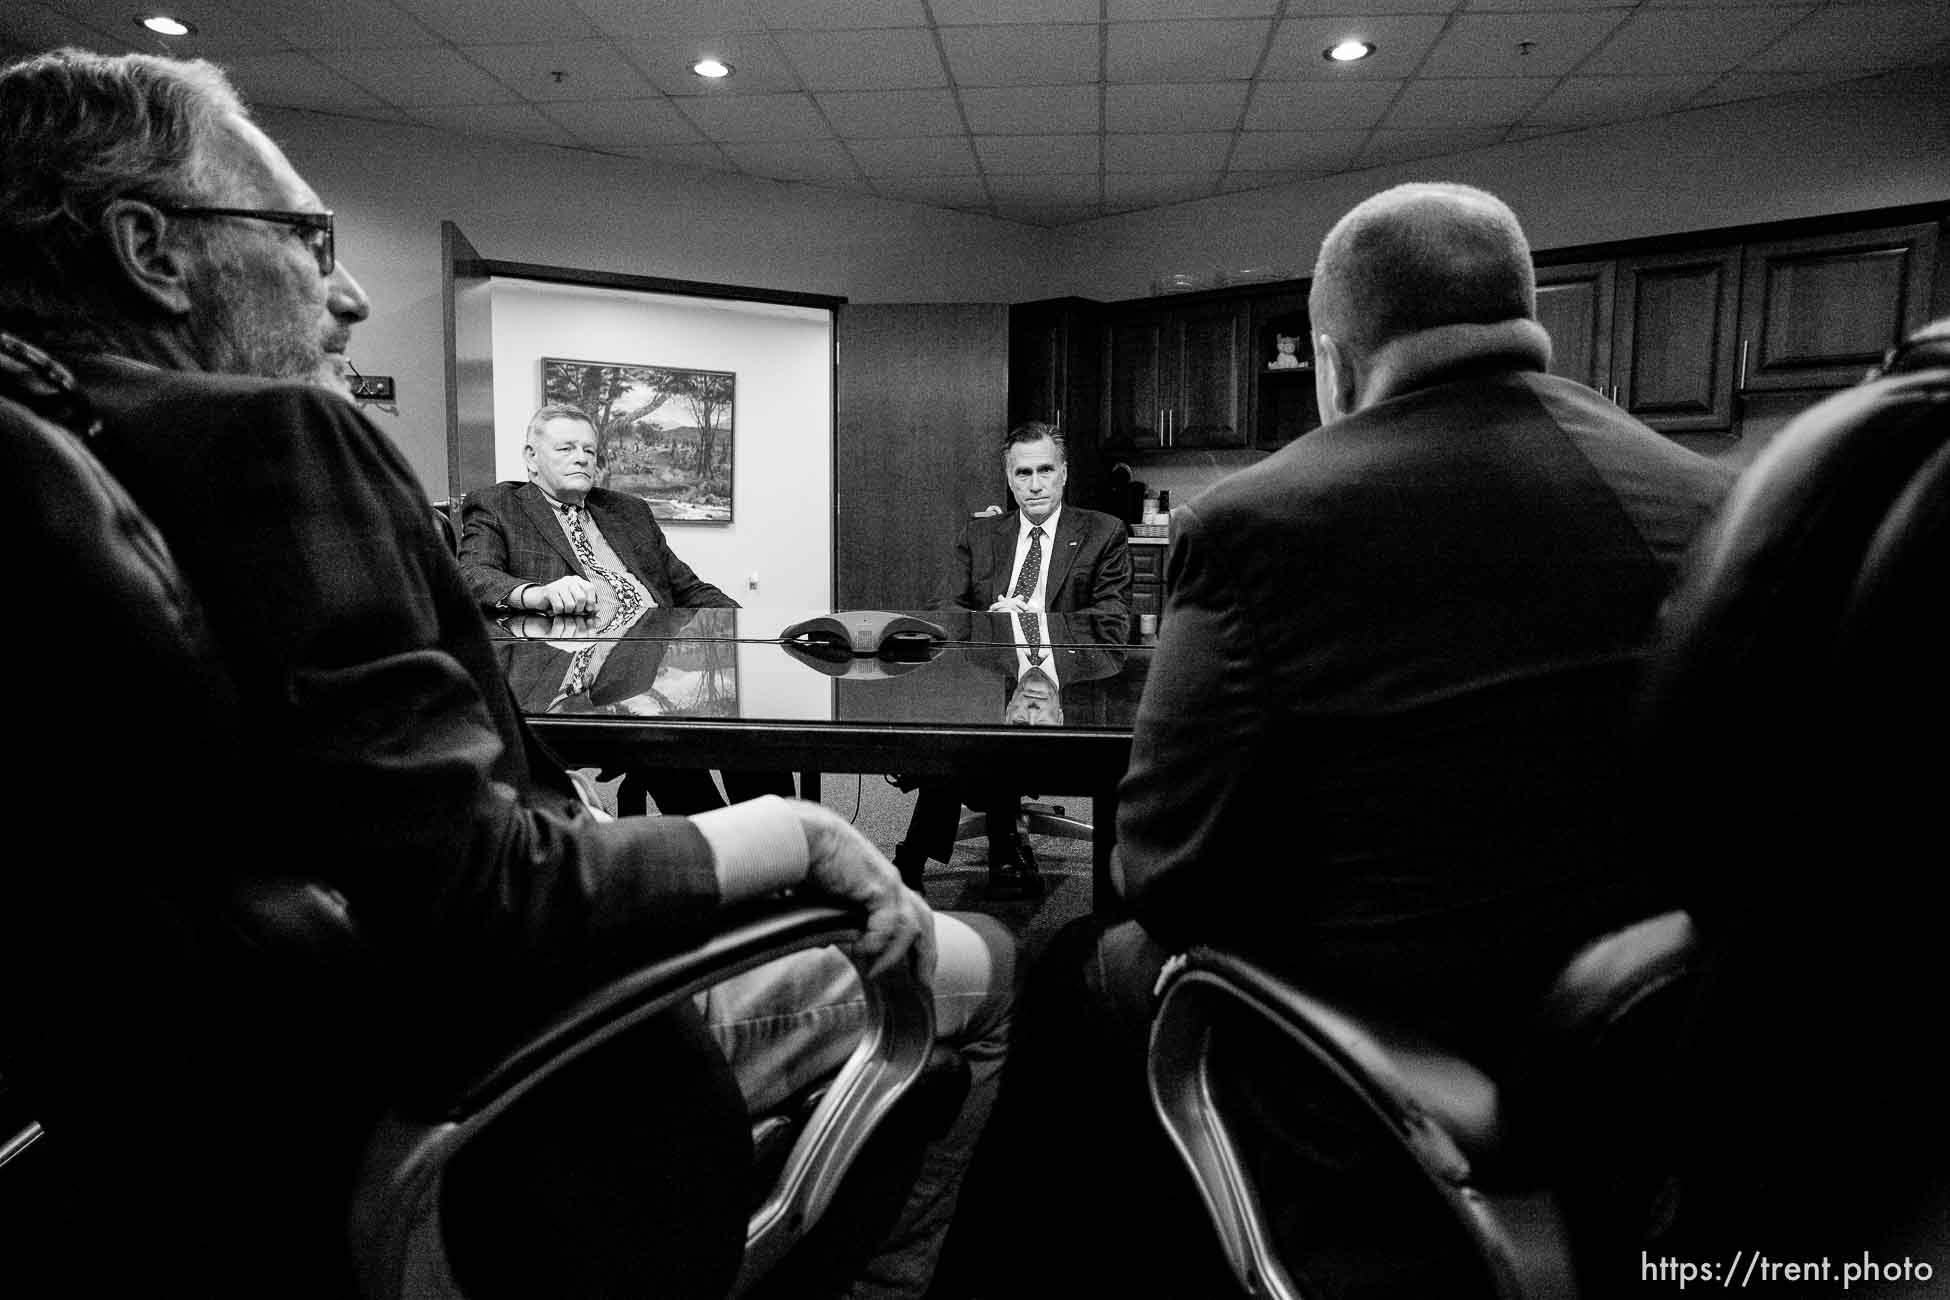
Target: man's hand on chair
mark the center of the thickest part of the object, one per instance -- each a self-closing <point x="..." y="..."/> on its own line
<point x="845" y="865"/>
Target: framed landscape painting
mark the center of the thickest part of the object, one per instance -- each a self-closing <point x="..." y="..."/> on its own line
<point x="667" y="432"/>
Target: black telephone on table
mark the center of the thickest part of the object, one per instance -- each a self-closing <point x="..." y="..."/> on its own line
<point x="866" y="632"/>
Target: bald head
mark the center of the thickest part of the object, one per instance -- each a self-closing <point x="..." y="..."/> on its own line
<point x="1418" y="256"/>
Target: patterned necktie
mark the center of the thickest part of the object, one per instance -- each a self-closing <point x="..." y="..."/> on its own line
<point x="1032" y="629"/>
<point x="629" y="596"/>
<point x="1032" y="568"/>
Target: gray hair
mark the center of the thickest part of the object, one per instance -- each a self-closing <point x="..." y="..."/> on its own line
<point x="1419" y="256"/>
<point x="78" y="131"/>
<point x="1036" y="431"/>
<point x="558" y="411"/>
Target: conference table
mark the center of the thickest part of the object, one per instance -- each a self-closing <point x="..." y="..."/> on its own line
<point x="747" y="689"/>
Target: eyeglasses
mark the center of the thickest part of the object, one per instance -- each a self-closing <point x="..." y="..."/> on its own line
<point x="317" y="227"/>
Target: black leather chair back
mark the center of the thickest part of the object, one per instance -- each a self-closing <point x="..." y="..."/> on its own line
<point x="1790" y="789"/>
<point x="180" y="1034"/>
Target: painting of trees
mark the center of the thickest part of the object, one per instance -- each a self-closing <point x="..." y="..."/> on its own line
<point x="667" y="432"/>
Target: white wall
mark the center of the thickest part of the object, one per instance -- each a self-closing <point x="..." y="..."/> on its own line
<point x="1865" y="144"/>
<point x="392" y="185"/>
<point x="780" y="535"/>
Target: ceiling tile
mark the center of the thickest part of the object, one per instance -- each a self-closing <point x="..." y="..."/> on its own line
<point x="793" y="160"/>
<point x="510" y="121"/>
<point x="1466" y="101"/>
<point x="1188" y="151"/>
<point x="1221" y="50"/>
<point x="934" y="155"/>
<point x="563" y="70"/>
<point x="839" y="15"/>
<point x="941" y="191"/>
<point x="1689" y="40"/>
<point x="419" y="78"/>
<point x="1865" y="36"/>
<point x="1149" y="191"/>
<point x="872" y="114"/>
<point x="1314" y="105"/>
<point x="1759" y="85"/>
<point x="955" y="13"/>
<point x="466" y="22"/>
<point x="1400" y="41"/>
<point x="342" y="25"/>
<point x="1209" y="106"/>
<point x="757" y="68"/>
<point x="1032" y="110"/>
<point x="221" y="29"/>
<point x="663" y="20"/>
<point x="631" y="124"/>
<point x="298" y="80"/>
<point x="756" y="117"/>
<point x="708" y="156"/>
<point x="1518" y="45"/>
<point x="1145" y="10"/>
<point x="1040" y="54"/>
<point x="1048" y="215"/>
<point x="42" y="27"/>
<point x="1084" y="188"/>
<point x="1306" y="152"/>
<point x="1384" y="147"/>
<point x="1037" y="154"/>
<point x="892" y="59"/>
<point x="1588" y="101"/>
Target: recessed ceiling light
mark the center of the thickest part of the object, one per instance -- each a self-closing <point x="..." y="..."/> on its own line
<point x="164" y="25"/>
<point x="1348" y="51"/>
<point x="712" y="68"/>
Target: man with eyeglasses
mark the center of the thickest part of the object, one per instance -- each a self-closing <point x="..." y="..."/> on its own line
<point x="158" y="243"/>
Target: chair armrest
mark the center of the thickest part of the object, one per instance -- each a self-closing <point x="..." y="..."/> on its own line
<point x="1425" y="1097"/>
<point x="407" y="1152"/>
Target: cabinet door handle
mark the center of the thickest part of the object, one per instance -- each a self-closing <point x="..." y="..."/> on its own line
<point x="1741" y="382"/>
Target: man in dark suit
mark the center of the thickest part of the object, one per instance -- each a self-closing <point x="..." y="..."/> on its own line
<point x="559" y="545"/>
<point x="1383" y="736"/>
<point x="154" y="239"/>
<point x="1045" y="558"/>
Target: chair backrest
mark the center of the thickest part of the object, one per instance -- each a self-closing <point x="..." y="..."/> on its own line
<point x="446" y="512"/>
<point x="1797" y="693"/>
<point x="150" y="1013"/>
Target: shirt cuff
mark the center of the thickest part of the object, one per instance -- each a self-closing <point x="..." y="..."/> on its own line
<point x="757" y="847"/>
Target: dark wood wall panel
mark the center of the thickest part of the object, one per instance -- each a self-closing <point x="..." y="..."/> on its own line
<point x="923" y="405"/>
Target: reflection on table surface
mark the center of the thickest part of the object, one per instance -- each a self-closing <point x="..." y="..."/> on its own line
<point x="987" y="670"/>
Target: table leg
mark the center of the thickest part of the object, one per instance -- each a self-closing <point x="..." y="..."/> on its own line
<point x="1103" y="837"/>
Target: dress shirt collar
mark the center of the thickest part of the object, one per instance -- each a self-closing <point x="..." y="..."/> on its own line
<point x="1048" y="526"/>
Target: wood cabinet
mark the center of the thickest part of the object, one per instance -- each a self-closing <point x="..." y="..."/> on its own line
<point x="1147" y="582"/>
<point x="1283" y="401"/>
<point x="1817" y="312"/>
<point x="1574" y="305"/>
<point x="1056" y="376"/>
<point x="1175" y="377"/>
<point x="1655" y="334"/>
<point x="1674" y="338"/>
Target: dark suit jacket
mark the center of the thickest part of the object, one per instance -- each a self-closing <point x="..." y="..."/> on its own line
<point x="1088" y="562"/>
<point x="509" y="537"/>
<point x="1383" y="730"/>
<point x="382" y="737"/>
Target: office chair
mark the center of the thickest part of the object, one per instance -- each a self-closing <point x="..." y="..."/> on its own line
<point x="1031" y="818"/>
<point x="446" y="517"/>
<point x="1792" y="719"/>
<point x="1520" y="1170"/>
<point x="207" y="1054"/>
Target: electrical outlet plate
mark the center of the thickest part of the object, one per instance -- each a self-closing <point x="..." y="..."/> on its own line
<point x="373" y="388"/>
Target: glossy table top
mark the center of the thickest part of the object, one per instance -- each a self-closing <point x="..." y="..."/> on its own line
<point x="961" y="670"/>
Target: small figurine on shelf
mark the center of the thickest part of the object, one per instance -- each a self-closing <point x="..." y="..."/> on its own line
<point x="1286" y="360"/>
